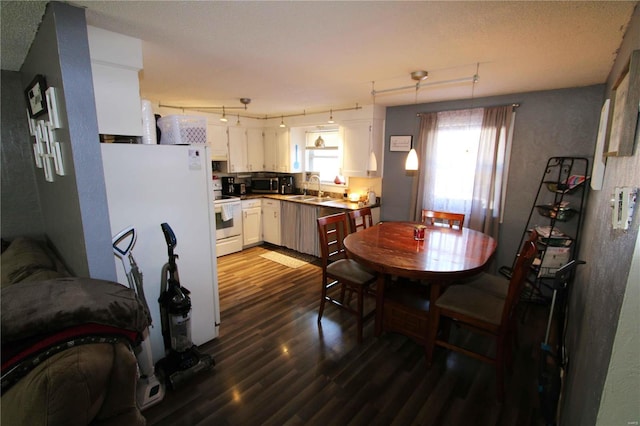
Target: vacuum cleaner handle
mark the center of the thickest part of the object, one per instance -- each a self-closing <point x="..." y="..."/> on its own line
<point x="130" y="233"/>
<point x="169" y="237"/>
<point x="120" y="237"/>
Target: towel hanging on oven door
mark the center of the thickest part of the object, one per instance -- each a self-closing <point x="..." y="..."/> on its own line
<point x="226" y="212"/>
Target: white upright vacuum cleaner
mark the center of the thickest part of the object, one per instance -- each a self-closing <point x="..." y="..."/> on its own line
<point x="149" y="390"/>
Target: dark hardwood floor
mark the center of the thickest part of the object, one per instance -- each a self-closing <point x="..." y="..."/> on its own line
<point x="275" y="365"/>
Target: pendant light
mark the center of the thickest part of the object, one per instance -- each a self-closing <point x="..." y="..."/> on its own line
<point x="319" y="143"/>
<point x="373" y="162"/>
<point x="330" y="117"/>
<point x="411" y="163"/>
<point x="224" y="116"/>
<point x="412" y="159"/>
<point x="282" y="122"/>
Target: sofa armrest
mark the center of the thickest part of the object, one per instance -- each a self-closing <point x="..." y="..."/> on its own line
<point x="89" y="384"/>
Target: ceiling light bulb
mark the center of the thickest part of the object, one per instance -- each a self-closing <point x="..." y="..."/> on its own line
<point x="412" y="160"/>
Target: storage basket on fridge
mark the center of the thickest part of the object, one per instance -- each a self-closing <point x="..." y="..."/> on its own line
<point x="183" y="130"/>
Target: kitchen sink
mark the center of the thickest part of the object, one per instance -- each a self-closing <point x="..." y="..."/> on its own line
<point x="317" y="199"/>
<point x="309" y="198"/>
<point x="300" y="197"/>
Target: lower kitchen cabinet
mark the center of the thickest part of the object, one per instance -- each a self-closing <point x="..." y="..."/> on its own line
<point x="271" y="221"/>
<point x="251" y="222"/>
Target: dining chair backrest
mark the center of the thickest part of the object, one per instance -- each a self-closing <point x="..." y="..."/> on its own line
<point x="518" y="278"/>
<point x="360" y="219"/>
<point x="332" y="230"/>
<point x="432" y="217"/>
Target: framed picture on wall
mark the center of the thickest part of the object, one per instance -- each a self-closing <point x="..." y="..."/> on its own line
<point x="624" y="110"/>
<point x="34" y="93"/>
<point x="400" y="143"/>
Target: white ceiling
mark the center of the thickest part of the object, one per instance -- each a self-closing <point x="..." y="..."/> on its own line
<point x="296" y="56"/>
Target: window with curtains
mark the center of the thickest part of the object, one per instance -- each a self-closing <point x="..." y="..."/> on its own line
<point x="454" y="165"/>
<point x="464" y="163"/>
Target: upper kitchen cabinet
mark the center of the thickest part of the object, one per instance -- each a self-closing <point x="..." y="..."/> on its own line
<point x="246" y="150"/>
<point x="237" y="149"/>
<point x="217" y="140"/>
<point x="116" y="60"/>
<point x="255" y="150"/>
<point x="277" y="152"/>
<point x="361" y="139"/>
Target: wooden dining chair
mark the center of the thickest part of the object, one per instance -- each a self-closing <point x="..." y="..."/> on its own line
<point x="432" y="217"/>
<point x="483" y="312"/>
<point x="360" y="219"/>
<point x="494" y="284"/>
<point x="338" y="270"/>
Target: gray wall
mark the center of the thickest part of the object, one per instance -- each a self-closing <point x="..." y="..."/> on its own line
<point x="20" y="214"/>
<point x="550" y="123"/>
<point x="74" y="207"/>
<point x="599" y="290"/>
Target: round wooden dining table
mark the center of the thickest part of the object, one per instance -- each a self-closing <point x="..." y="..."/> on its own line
<point x="444" y="256"/>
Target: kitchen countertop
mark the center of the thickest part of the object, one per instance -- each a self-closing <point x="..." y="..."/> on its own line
<point x="337" y="203"/>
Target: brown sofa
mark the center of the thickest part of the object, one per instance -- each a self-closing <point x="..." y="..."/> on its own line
<point x="66" y="343"/>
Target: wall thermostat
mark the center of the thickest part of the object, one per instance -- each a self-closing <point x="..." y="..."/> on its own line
<point x="623" y="203"/>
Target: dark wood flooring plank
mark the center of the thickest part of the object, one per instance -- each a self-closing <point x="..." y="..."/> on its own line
<point x="276" y="365"/>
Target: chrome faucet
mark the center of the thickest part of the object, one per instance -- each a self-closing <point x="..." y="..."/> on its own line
<point x="318" y="179"/>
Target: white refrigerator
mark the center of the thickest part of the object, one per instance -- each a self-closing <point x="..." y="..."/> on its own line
<point x="151" y="184"/>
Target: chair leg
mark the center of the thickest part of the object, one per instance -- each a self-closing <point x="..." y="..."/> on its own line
<point x="323" y="298"/>
<point x="500" y="366"/>
<point x="360" y="309"/>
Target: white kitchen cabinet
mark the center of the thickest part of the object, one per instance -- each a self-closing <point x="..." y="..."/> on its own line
<point x="277" y="151"/>
<point x="255" y="150"/>
<point x="251" y="222"/>
<point x="283" y="150"/>
<point x="360" y="138"/>
<point x="246" y="149"/>
<point x="237" y="149"/>
<point x="271" y="221"/>
<point x="217" y="139"/>
<point x="116" y="60"/>
<point x="270" y="150"/>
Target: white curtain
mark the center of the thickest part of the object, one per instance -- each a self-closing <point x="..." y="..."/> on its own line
<point x="490" y="176"/>
<point x="424" y="147"/>
<point x="463" y="163"/>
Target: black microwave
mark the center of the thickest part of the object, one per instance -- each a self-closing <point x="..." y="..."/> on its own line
<point x="264" y="185"/>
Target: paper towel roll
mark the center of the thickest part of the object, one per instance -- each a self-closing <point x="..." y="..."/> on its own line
<point x="148" y="123"/>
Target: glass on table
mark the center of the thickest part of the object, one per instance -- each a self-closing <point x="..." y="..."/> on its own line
<point x="418" y="232"/>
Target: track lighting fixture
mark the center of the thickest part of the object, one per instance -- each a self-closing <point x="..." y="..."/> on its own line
<point x="420" y="77"/>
